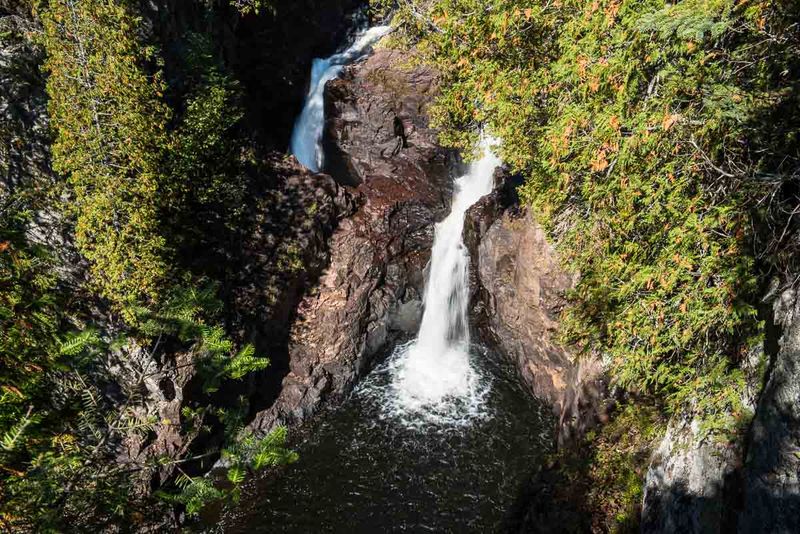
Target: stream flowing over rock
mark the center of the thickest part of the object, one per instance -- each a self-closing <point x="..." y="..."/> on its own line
<point x="279" y="251"/>
<point x="370" y="293"/>
<point x="328" y="270"/>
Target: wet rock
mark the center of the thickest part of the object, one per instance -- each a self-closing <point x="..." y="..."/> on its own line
<point x="369" y="294"/>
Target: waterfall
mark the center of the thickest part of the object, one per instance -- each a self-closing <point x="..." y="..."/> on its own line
<point x="434" y="371"/>
<point x="306" y="143"/>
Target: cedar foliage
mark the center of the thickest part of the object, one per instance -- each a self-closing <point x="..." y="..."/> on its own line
<point x="660" y="146"/>
<point x="659" y="143"/>
<point x="110" y="133"/>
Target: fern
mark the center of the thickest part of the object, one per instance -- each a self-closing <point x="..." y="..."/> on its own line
<point x="79" y="342"/>
<point x="13" y="437"/>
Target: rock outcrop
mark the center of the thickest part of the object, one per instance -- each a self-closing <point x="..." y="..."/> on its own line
<point x="285" y="247"/>
<point x="520" y="289"/>
<point x="771" y="481"/>
<point x="690" y="482"/>
<point x="370" y="293"/>
<point x="164" y="389"/>
<point x="694" y="480"/>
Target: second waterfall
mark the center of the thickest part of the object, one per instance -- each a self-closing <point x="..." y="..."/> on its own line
<point x="306" y="143"/>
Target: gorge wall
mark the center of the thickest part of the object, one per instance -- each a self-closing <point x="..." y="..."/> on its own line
<point x="379" y="143"/>
<point x="771" y="475"/>
<point x="519" y="288"/>
<point x="693" y="482"/>
<point x="748" y="483"/>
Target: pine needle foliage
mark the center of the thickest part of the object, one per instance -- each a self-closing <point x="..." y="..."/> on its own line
<point x="185" y="315"/>
<point x="244" y="455"/>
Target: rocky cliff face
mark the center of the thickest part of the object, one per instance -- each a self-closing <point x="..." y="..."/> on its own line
<point x="285" y="247"/>
<point x="279" y="252"/>
<point x="25" y="135"/>
<point x="520" y="288"/>
<point x="750" y="483"/>
<point x="694" y="483"/>
<point x="691" y="482"/>
<point x="371" y="291"/>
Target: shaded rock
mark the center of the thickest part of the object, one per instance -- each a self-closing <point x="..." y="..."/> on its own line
<point x="693" y="479"/>
<point x="270" y="53"/>
<point x="547" y="505"/>
<point x="369" y="295"/>
<point x="155" y="391"/>
<point x="282" y="255"/>
<point x="771" y="497"/>
<point x="686" y="481"/>
<point x="25" y="141"/>
<point x="284" y="248"/>
<point x="25" y="151"/>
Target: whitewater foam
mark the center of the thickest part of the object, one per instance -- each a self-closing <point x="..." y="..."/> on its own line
<point x="432" y="377"/>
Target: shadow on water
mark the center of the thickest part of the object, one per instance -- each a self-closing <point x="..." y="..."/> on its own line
<point x="363" y="469"/>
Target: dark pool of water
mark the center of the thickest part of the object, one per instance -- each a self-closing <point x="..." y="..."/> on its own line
<point x="363" y="470"/>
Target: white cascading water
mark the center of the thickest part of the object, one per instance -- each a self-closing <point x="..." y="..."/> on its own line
<point x="432" y="376"/>
<point x="306" y="143"/>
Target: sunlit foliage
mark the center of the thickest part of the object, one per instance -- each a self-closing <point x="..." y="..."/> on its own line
<point x="110" y="133"/>
<point x="646" y="134"/>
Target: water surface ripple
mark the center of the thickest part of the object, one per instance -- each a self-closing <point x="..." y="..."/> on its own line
<point x="365" y="467"/>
